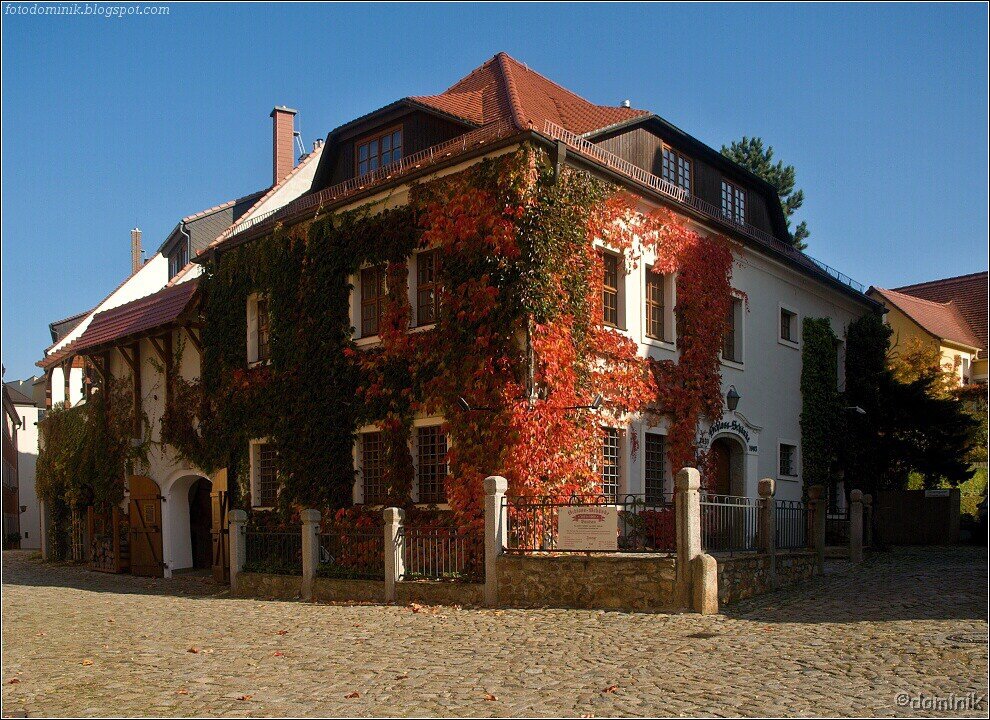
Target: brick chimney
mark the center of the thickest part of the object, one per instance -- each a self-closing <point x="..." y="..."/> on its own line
<point x="283" y="151"/>
<point x="136" y="260"/>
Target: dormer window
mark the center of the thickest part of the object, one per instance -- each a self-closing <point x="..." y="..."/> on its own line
<point x="733" y="202"/>
<point x="178" y="259"/>
<point x="378" y="150"/>
<point x="676" y="168"/>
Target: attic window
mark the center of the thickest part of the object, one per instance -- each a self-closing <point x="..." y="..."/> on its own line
<point x="177" y="259"/>
<point x="381" y="149"/>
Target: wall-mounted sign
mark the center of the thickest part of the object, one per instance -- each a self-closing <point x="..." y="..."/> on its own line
<point x="937" y="492"/>
<point x="588" y="528"/>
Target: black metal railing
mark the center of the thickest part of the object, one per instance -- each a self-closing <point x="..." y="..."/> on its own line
<point x="729" y="523"/>
<point x="352" y="554"/>
<point x="273" y="552"/>
<point x="791" y="523"/>
<point x="643" y="523"/>
<point x="439" y="554"/>
<point x="837" y="526"/>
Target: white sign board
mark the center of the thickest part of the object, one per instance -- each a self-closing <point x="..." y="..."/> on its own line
<point x="937" y="492"/>
<point x="594" y="527"/>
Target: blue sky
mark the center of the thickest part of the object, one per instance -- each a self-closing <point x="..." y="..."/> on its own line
<point x="114" y="123"/>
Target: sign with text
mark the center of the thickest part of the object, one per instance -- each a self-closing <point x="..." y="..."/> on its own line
<point x="594" y="527"/>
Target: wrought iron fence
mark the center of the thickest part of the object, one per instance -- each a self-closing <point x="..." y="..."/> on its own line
<point x="273" y="552"/>
<point x="791" y="523"/>
<point x="643" y="523"/>
<point x="837" y="526"/>
<point x="439" y="554"/>
<point x="352" y="554"/>
<point x="729" y="523"/>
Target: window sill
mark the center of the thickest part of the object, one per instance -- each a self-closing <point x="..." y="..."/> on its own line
<point x="789" y="478"/>
<point x="663" y="344"/>
<point x="794" y="344"/>
<point x="258" y="363"/>
<point x="422" y="328"/>
<point x="735" y="365"/>
<point x="366" y="341"/>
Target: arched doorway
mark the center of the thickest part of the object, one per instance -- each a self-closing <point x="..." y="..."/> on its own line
<point x="200" y="522"/>
<point x="728" y="466"/>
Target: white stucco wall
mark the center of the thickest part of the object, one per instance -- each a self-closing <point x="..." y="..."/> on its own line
<point x="27" y="460"/>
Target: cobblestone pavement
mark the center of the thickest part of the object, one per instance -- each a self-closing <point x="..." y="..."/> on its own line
<point x="82" y="643"/>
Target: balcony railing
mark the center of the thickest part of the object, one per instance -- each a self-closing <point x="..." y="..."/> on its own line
<point x="411" y="163"/>
<point x="681" y="196"/>
<point x="498" y="130"/>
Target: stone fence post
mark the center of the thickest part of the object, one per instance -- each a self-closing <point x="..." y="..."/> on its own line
<point x="395" y="556"/>
<point x="238" y="545"/>
<point x="856" y="526"/>
<point x="768" y="525"/>
<point x="310" y="550"/>
<point x="496" y="527"/>
<point x="816" y="525"/>
<point x="867" y="520"/>
<point x="696" y="578"/>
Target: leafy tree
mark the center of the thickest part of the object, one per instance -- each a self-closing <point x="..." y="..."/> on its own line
<point x="907" y="426"/>
<point x="752" y="155"/>
<point x="819" y="400"/>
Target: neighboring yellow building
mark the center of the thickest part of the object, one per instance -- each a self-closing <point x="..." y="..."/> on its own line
<point x="949" y="314"/>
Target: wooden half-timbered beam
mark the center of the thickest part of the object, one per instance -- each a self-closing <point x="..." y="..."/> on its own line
<point x="194" y="339"/>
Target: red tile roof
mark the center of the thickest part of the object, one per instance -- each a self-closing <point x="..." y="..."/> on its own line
<point x="132" y="318"/>
<point x="943" y="320"/>
<point x="967" y="292"/>
<point x="505" y="89"/>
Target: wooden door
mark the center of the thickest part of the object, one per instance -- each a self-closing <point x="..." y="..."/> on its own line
<point x="721" y="459"/>
<point x="220" y="504"/>
<point x="146" y="527"/>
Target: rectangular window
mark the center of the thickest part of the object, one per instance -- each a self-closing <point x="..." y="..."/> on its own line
<point x="264" y="349"/>
<point x="431" y="471"/>
<point x="787" y="325"/>
<point x="733" y="202"/>
<point x="788" y="460"/>
<point x="178" y="259"/>
<point x="371" y="468"/>
<point x="654" y="304"/>
<point x="610" y="289"/>
<point x="653" y="455"/>
<point x="427" y="287"/>
<point x="378" y="150"/>
<point x="676" y="168"/>
<point x="732" y="340"/>
<point x="372" y="299"/>
<point x="267" y="475"/>
<point x="610" y="463"/>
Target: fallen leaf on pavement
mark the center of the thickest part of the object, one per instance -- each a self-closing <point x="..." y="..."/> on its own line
<point x="491" y="698"/>
<point x="87" y="662"/>
<point x="610" y="689"/>
<point x="401" y="677"/>
<point x="13" y="681"/>
<point x="245" y="697"/>
<point x="282" y="632"/>
<point x="351" y="696"/>
<point x="277" y="653"/>
<point x="193" y="650"/>
<point x="181" y="691"/>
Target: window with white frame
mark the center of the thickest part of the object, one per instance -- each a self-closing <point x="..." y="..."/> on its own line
<point x="655" y="305"/>
<point x="653" y="454"/>
<point x="372" y="299"/>
<point x="372" y="468"/>
<point x="264" y="474"/>
<point x="612" y="276"/>
<point x="788" y="460"/>
<point x="733" y="202"/>
<point x="431" y="465"/>
<point x="259" y="330"/>
<point x="675" y="167"/>
<point x="610" y="466"/>
<point x="788" y="325"/>
<point x="732" y="340"/>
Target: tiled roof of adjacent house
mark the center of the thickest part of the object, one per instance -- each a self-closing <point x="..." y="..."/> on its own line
<point x="943" y="320"/>
<point x="967" y="292"/>
<point x="505" y="89"/>
<point x="137" y="316"/>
